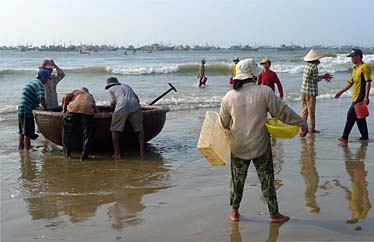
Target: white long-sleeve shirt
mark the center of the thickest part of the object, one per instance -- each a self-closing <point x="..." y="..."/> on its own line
<point x="244" y="113"/>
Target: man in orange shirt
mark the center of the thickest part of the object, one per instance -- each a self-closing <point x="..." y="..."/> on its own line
<point x="79" y="107"/>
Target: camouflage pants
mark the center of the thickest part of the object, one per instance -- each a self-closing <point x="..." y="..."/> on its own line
<point x="265" y="172"/>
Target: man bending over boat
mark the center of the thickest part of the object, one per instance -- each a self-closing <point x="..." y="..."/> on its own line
<point x="126" y="106"/>
<point x="79" y="107"/>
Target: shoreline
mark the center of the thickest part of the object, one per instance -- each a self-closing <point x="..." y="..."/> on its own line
<point x="175" y="195"/>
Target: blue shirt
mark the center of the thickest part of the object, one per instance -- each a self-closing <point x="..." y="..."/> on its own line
<point x="126" y="99"/>
<point x="32" y="94"/>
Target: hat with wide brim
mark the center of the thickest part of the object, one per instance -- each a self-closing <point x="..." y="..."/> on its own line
<point x="246" y="69"/>
<point x="111" y="82"/>
<point x="312" y="55"/>
<point x="265" y="60"/>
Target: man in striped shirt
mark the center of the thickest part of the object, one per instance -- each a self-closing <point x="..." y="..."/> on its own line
<point x="32" y="96"/>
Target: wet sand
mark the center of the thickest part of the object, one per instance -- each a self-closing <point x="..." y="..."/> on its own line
<point x="175" y="195"/>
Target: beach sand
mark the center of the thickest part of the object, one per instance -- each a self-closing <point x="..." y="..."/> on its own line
<point x="175" y="195"/>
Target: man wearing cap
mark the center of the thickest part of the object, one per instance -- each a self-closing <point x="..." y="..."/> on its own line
<point x="51" y="87"/>
<point x="269" y="77"/>
<point x="243" y="113"/>
<point x="126" y="107"/>
<point x="233" y="70"/>
<point x="32" y="97"/>
<point x="361" y="81"/>
<point x="309" y="88"/>
<point x="79" y="107"/>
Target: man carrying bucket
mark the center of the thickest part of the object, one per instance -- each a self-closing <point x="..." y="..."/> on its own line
<point x="201" y="75"/>
<point x="361" y="82"/>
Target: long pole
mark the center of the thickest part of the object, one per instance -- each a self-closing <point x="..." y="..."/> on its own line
<point x="162" y="95"/>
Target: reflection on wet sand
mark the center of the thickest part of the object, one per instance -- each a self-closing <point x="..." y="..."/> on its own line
<point x="309" y="172"/>
<point x="273" y="235"/>
<point x="357" y="196"/>
<point x="54" y="187"/>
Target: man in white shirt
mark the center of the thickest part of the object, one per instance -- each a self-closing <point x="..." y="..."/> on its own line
<point x="126" y="106"/>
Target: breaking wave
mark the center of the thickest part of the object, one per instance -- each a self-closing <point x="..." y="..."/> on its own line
<point x="331" y="63"/>
<point x="186" y="102"/>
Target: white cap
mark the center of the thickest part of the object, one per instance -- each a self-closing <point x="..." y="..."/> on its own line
<point x="247" y="68"/>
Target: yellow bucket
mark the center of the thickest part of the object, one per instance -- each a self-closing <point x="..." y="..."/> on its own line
<point x="278" y="129"/>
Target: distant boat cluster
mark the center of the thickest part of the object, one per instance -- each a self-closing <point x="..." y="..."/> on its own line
<point x="87" y="49"/>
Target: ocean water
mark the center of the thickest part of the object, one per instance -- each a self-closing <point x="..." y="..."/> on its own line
<point x="174" y="194"/>
<point x="149" y="73"/>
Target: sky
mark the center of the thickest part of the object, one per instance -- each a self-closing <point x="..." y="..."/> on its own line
<point x="213" y="22"/>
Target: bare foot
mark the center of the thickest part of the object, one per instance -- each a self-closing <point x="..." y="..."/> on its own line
<point x="116" y="156"/>
<point x="279" y="218"/>
<point x="234" y="215"/>
<point x="342" y="140"/>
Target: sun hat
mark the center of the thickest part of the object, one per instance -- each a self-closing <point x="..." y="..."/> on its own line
<point x="247" y="68"/>
<point x="236" y="59"/>
<point x="203" y="60"/>
<point x="112" y="81"/>
<point x="44" y="73"/>
<point x="312" y="55"/>
<point x="265" y="60"/>
<point x="47" y="64"/>
<point x="355" y="52"/>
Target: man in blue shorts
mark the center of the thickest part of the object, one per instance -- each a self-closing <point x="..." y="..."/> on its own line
<point x="32" y="97"/>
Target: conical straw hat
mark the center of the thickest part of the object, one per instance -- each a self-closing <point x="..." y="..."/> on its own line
<point x="312" y="55"/>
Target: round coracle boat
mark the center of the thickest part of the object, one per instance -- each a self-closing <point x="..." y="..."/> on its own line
<point x="50" y="124"/>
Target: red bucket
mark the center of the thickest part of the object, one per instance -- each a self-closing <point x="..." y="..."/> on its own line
<point x="205" y="79"/>
<point x="361" y="110"/>
<point x="231" y="81"/>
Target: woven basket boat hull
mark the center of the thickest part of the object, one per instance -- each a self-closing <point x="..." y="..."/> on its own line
<point x="50" y="124"/>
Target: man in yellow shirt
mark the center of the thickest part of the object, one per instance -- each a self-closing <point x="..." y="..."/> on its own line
<point x="233" y="70"/>
<point x="361" y="82"/>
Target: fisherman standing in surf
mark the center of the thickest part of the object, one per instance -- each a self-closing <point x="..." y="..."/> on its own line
<point x="201" y="75"/>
